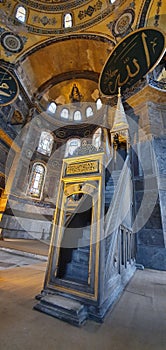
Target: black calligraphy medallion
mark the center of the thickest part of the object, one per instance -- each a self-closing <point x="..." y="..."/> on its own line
<point x="132" y="58"/>
<point x="11" y="42"/>
<point x="8" y="87"/>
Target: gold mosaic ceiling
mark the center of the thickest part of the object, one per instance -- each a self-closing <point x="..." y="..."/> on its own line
<point x="49" y="57"/>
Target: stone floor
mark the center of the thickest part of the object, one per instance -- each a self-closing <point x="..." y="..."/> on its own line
<point x="36" y="247"/>
<point x="137" y="321"/>
<point x="10" y="260"/>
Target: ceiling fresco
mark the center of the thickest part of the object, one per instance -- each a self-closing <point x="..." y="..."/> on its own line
<point x="47" y="57"/>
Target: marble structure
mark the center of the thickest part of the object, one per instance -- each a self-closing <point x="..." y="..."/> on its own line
<point x="45" y="130"/>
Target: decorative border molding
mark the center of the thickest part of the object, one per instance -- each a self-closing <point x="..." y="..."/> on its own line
<point x="44" y="20"/>
<point x="90" y="10"/>
<point x="41" y="5"/>
<point x="96" y="20"/>
<point x="157" y="15"/>
<point x="144" y="13"/>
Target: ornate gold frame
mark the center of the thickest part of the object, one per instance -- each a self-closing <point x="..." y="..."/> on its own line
<point x="90" y="183"/>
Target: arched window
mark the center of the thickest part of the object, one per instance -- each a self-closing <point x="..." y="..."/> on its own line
<point x="36" y="180"/>
<point x="65" y="113"/>
<point x="45" y="143"/>
<point x="96" y="140"/>
<point x="21" y="14"/>
<point x="68" y="21"/>
<point x="52" y="107"/>
<point x="77" y="115"/>
<point x="98" y="104"/>
<point x="89" y="112"/>
<point x="71" y="146"/>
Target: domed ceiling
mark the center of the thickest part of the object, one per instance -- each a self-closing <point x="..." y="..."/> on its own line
<point x="49" y="57"/>
<point x="70" y="59"/>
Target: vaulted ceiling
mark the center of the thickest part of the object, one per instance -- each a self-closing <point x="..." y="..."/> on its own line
<point x="49" y="58"/>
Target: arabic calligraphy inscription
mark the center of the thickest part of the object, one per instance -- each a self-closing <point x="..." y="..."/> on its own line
<point x="131" y="59"/>
<point x="8" y="87"/>
<point x="82" y="168"/>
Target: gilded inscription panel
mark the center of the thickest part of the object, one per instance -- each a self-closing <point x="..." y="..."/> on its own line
<point x="82" y="168"/>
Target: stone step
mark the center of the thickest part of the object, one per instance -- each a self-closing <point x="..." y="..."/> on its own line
<point x="76" y="272"/>
<point x="116" y="172"/>
<point x="77" y="268"/>
<point x="114" y="176"/>
<point x="109" y="194"/>
<point x="84" y="249"/>
<point x="112" y="183"/>
<point x="79" y="255"/>
<point x="108" y="201"/>
<point x="110" y="186"/>
<point x="63" y="308"/>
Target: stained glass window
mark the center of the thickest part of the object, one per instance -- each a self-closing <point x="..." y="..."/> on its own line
<point x="45" y="143"/>
<point x="21" y="14"/>
<point x="36" y="180"/>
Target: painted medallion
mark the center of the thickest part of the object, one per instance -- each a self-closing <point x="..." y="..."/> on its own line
<point x="132" y="58"/>
<point x="8" y="87"/>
